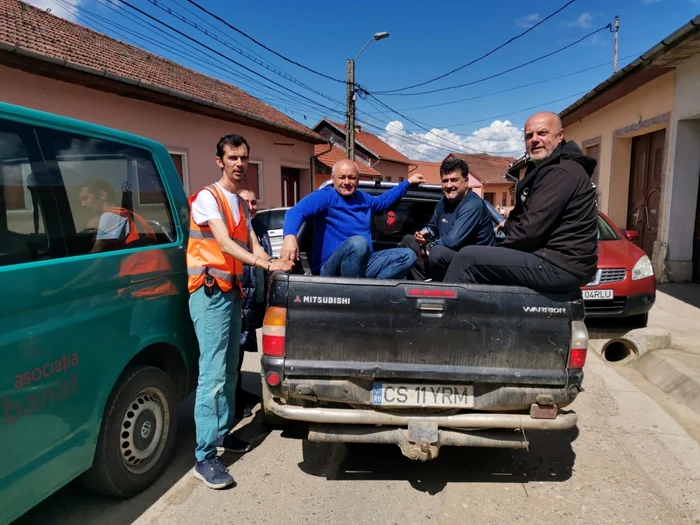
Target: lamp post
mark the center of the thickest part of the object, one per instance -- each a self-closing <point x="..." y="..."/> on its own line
<point x="350" y="96"/>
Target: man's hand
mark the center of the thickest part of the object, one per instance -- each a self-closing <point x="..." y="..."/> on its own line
<point x="418" y="236"/>
<point x="290" y="249"/>
<point x="416" y="178"/>
<point x="281" y="265"/>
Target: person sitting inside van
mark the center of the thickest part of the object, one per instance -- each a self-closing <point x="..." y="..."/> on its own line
<point x="114" y="224"/>
<point x="342" y="243"/>
<point x="460" y="219"/>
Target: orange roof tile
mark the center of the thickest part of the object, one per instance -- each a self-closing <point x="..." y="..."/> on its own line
<point x="431" y="170"/>
<point x="488" y="169"/>
<point x="375" y="144"/>
<point x="23" y="27"/>
<point x="335" y="154"/>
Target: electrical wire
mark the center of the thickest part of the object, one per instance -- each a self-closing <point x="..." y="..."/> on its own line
<point x="520" y="66"/>
<point x="513" y="39"/>
<point x="243" y="33"/>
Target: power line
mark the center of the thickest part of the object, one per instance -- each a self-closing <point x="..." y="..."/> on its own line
<point x="515" y="88"/>
<point x="221" y="54"/>
<point x="275" y="70"/>
<point x="513" y="39"/>
<point x="215" y="67"/>
<point x="390" y="94"/>
<point x="263" y="45"/>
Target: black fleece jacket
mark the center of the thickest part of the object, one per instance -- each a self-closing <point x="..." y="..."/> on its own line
<point x="556" y="214"/>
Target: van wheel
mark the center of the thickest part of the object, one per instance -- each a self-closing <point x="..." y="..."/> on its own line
<point x="272" y="420"/>
<point x="137" y="434"/>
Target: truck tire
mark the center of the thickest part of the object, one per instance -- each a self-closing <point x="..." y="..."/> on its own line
<point x="269" y="418"/>
<point x="137" y="435"/>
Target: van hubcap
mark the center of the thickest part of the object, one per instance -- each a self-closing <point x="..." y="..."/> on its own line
<point x="143" y="430"/>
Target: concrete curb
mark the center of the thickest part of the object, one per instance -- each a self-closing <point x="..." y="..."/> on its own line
<point x="641" y="341"/>
<point x="675" y="372"/>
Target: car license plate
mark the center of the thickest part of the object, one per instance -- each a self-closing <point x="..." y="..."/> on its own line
<point x="461" y="396"/>
<point x="598" y="295"/>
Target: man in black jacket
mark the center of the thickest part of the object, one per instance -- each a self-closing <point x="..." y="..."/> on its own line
<point x="460" y="219"/>
<point x="253" y="306"/>
<point x="551" y="234"/>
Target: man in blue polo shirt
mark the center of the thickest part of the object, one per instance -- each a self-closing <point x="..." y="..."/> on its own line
<point x="342" y="218"/>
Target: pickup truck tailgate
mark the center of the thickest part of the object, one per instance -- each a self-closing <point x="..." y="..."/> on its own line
<point x="391" y="329"/>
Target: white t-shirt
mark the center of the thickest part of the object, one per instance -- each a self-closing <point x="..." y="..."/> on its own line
<point x="205" y="207"/>
<point x="112" y="227"/>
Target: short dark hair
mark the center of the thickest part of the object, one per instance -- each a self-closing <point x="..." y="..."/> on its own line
<point x="450" y="165"/>
<point x="95" y="186"/>
<point x="232" y="141"/>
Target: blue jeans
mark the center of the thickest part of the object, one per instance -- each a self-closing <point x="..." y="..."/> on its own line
<point x="353" y="258"/>
<point x="217" y="323"/>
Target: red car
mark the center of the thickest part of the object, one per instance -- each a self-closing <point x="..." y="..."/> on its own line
<point x="624" y="285"/>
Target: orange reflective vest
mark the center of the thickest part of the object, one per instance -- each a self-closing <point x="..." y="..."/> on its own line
<point x="204" y="254"/>
<point x="147" y="264"/>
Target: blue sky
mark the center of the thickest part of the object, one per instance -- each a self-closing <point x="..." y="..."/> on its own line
<point x="426" y="40"/>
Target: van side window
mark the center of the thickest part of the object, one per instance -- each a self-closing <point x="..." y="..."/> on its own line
<point x="112" y="196"/>
<point x="23" y="186"/>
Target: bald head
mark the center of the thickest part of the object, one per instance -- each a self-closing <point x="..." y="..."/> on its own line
<point x="345" y="176"/>
<point x="543" y="134"/>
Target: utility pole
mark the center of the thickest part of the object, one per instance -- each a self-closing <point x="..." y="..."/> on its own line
<point x="350" y="112"/>
<point x="617" y="29"/>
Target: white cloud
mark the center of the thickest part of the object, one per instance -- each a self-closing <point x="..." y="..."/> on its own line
<point x="500" y="138"/>
<point x="583" y="21"/>
<point x="528" y="20"/>
<point x="56" y="9"/>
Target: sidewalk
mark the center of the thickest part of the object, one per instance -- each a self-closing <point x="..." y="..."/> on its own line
<point x="676" y="370"/>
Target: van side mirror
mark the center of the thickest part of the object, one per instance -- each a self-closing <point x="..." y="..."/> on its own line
<point x="632" y="235"/>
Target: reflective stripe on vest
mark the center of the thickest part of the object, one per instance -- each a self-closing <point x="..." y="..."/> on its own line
<point x="203" y="251"/>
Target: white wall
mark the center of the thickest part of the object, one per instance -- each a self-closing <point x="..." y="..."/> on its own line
<point x="684" y="172"/>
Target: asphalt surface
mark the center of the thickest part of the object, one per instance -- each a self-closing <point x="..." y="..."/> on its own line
<point x="627" y="462"/>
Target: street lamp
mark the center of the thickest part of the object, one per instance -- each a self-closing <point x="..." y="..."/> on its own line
<point x="350" y="103"/>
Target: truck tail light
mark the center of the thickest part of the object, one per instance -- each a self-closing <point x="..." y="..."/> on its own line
<point x="432" y="293"/>
<point x="579" y="345"/>
<point x="273" y="329"/>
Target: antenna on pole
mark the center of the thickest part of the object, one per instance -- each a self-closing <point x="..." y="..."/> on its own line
<point x="616" y="31"/>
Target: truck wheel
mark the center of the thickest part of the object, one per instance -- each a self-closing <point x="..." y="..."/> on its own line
<point x="137" y="434"/>
<point x="272" y="420"/>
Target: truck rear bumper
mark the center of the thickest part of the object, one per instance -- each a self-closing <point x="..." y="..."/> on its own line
<point x="350" y="416"/>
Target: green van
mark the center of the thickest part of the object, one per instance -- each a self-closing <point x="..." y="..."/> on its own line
<point x="96" y="343"/>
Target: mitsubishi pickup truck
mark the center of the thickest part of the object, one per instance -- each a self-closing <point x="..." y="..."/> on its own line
<point x="418" y="364"/>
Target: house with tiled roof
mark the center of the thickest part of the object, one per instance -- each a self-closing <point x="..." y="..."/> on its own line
<point x="490" y="171"/>
<point x="391" y="165"/>
<point x="326" y="156"/>
<point x="431" y="172"/>
<point x="55" y="65"/>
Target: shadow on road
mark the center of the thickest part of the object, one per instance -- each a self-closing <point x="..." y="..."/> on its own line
<point x="688" y="293"/>
<point x="76" y="504"/>
<point x="550" y="458"/>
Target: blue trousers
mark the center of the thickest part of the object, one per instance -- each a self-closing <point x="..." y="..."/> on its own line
<point x="353" y="258"/>
<point x="217" y="323"/>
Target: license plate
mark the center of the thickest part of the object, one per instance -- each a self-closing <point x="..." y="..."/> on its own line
<point x="597" y="295"/>
<point x="461" y="396"/>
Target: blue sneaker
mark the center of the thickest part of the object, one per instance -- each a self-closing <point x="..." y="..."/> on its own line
<point x="231" y="444"/>
<point x="212" y="473"/>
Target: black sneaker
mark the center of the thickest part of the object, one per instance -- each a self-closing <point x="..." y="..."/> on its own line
<point x="212" y="473"/>
<point x="231" y="444"/>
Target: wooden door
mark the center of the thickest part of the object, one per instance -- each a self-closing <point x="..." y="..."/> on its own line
<point x="291" y="179"/>
<point x="646" y="179"/>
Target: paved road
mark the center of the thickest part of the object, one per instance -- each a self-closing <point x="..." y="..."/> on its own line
<point x="628" y="462"/>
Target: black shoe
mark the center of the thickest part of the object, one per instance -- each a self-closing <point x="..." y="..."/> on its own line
<point x="231" y="444"/>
